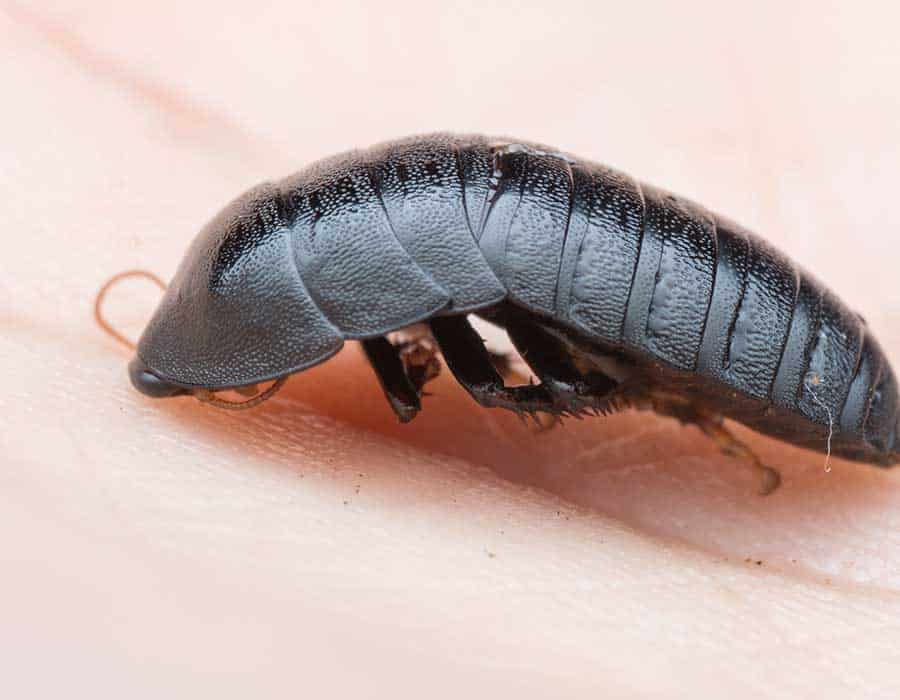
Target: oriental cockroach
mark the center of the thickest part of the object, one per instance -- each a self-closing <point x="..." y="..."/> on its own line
<point x="614" y="292"/>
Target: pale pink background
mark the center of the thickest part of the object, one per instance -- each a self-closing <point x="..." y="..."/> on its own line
<point x="315" y="548"/>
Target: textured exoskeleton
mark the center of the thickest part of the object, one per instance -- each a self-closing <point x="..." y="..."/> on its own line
<point x="612" y="290"/>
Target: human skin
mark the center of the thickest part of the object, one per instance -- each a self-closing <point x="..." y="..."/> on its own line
<point x="314" y="545"/>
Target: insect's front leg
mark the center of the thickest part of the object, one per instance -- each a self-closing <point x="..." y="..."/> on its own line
<point x="402" y="394"/>
<point x="419" y="354"/>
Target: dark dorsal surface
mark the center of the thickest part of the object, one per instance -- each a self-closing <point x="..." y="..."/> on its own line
<point x="369" y="241"/>
<point x="706" y="307"/>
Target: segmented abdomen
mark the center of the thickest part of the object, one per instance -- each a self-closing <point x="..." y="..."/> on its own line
<point x="632" y="266"/>
<point x="445" y="224"/>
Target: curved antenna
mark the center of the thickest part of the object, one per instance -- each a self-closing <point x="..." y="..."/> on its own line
<point x="207" y="396"/>
<point x="104" y="291"/>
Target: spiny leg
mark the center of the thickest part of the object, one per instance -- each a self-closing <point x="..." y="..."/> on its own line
<point x="469" y="361"/>
<point x="571" y="390"/>
<point x="714" y="427"/>
<point x="401" y="392"/>
<point x="515" y="371"/>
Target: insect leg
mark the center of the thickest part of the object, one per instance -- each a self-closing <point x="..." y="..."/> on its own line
<point x="402" y="394"/>
<point x="512" y="372"/>
<point x="418" y="353"/>
<point x="515" y="371"/>
<point x="573" y="392"/>
<point x="421" y="358"/>
<point x="468" y="359"/>
<point x="714" y="427"/>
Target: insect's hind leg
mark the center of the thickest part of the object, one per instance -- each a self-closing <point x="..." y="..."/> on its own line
<point x="573" y="392"/>
<point x="402" y="394"/>
<point x="713" y="426"/>
<point x="469" y="361"/>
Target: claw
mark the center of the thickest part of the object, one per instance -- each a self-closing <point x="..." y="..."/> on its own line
<point x="714" y="427"/>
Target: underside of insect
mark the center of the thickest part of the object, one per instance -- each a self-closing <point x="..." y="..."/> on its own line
<point x="614" y="293"/>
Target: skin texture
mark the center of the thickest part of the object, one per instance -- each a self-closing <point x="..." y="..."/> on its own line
<point x="151" y="547"/>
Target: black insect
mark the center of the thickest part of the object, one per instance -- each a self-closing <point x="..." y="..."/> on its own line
<point x="613" y="292"/>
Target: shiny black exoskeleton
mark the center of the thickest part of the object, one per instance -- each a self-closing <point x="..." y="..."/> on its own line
<point x="613" y="291"/>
